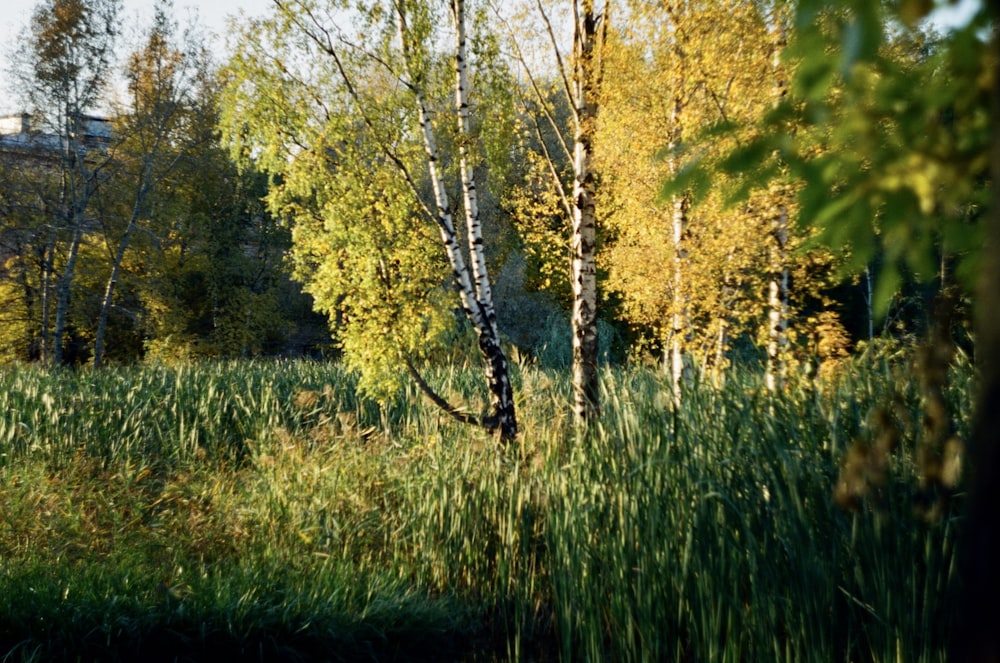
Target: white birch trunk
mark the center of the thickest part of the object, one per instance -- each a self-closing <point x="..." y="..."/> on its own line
<point x="109" y="288"/>
<point x="584" y="269"/>
<point x="777" y="300"/>
<point x="777" y="289"/>
<point x="470" y="198"/>
<point x="680" y="322"/>
<point x="476" y="300"/>
<point x="497" y="373"/>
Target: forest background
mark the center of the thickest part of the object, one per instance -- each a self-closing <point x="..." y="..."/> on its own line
<point x="205" y="275"/>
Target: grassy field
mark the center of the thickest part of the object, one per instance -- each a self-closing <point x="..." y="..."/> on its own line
<point x="264" y="510"/>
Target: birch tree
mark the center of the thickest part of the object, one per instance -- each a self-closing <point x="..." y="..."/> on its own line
<point x="689" y="271"/>
<point x="63" y="68"/>
<point x="777" y="287"/>
<point x="372" y="108"/>
<point x="579" y="76"/>
<point x="153" y="136"/>
<point x="589" y="35"/>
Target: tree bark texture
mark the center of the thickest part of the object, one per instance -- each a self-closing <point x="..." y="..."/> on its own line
<point x="477" y="301"/>
<point x="679" y="223"/>
<point x="777" y="288"/>
<point x="586" y="80"/>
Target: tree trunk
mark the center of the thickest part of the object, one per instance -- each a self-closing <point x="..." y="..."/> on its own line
<point x="777" y="297"/>
<point x="586" y="83"/>
<point x="109" y="291"/>
<point x="869" y="310"/>
<point x="777" y="289"/>
<point x="145" y="185"/>
<point x="45" y="315"/>
<point x="63" y="293"/>
<point x="476" y="301"/>
<point x="497" y="372"/>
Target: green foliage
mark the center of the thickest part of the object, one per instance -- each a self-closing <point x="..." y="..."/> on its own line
<point x="248" y="505"/>
<point x="370" y="260"/>
<point x="340" y="139"/>
<point x="887" y="129"/>
<point x="175" y="249"/>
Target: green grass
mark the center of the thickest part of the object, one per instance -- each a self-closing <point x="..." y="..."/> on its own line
<point x="266" y="509"/>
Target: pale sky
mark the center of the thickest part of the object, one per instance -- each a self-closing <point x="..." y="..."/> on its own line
<point x="211" y="15"/>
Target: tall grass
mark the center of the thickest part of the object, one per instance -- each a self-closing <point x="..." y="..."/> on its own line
<point x="266" y="507"/>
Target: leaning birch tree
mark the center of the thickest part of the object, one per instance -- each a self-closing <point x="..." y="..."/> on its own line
<point x="162" y="80"/>
<point x="364" y="142"/>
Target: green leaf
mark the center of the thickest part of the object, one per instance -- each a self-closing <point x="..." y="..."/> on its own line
<point x="814" y="79"/>
<point x="693" y="178"/>
<point x="835" y="209"/>
<point x="749" y="158"/>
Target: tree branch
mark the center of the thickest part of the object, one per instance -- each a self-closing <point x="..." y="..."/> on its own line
<point x="488" y="423"/>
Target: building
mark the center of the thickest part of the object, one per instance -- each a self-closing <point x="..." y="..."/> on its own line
<point x="18" y="134"/>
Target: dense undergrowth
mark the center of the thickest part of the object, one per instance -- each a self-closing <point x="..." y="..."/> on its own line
<point x="266" y="511"/>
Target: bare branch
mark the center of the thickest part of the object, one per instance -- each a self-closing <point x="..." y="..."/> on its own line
<point x="555" y="48"/>
<point x="437" y="399"/>
<point x="546" y="110"/>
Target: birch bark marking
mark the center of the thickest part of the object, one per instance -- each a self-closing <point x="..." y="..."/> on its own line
<point x="679" y="224"/>
<point x="584" y="271"/>
<point x="497" y="374"/>
<point x="476" y="301"/>
<point x="777" y="290"/>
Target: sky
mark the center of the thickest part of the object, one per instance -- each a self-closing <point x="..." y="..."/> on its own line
<point x="213" y="14"/>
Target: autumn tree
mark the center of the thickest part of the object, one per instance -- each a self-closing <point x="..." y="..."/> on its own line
<point x="207" y="264"/>
<point x="24" y="195"/>
<point x="690" y="271"/>
<point x="62" y="71"/>
<point x="155" y="129"/>
<point x="363" y="141"/>
<point x="899" y="156"/>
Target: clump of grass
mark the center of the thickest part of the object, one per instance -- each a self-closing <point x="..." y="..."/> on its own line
<point x="266" y="508"/>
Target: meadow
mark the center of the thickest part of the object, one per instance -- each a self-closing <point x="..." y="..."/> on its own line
<point x="266" y="511"/>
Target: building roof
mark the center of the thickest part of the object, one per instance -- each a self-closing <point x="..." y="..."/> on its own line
<point x="17" y="132"/>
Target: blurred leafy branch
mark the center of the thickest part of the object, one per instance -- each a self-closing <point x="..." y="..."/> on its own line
<point x="885" y="133"/>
